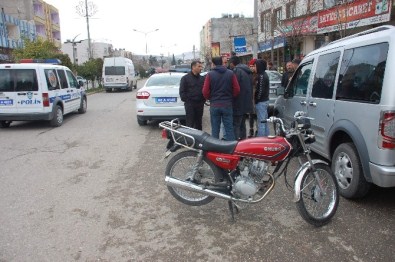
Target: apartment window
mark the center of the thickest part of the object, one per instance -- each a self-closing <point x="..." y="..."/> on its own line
<point x="277" y="17"/>
<point x="331" y="3"/>
<point x="291" y="9"/>
<point x="266" y="22"/>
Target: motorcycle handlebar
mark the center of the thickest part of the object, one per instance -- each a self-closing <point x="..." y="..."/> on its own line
<point x="298" y="115"/>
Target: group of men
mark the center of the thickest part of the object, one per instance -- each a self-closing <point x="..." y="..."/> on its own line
<point x="235" y="91"/>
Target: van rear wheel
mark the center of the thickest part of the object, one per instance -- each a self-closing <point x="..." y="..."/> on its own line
<point x="348" y="171"/>
<point x="5" y="123"/>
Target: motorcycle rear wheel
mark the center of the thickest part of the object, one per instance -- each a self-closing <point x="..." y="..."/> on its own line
<point x="180" y="167"/>
<point x="317" y="207"/>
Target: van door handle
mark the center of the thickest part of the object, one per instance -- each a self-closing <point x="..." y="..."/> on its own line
<point x="311" y="103"/>
<point x="303" y="103"/>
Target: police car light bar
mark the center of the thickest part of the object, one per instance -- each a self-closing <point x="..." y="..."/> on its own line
<point x="53" y="61"/>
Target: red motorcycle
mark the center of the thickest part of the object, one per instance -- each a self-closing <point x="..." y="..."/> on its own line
<point x="244" y="172"/>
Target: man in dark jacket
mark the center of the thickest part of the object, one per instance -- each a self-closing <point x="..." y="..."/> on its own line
<point x="220" y="87"/>
<point x="262" y="97"/>
<point x="242" y="104"/>
<point x="191" y="86"/>
<point x="289" y="67"/>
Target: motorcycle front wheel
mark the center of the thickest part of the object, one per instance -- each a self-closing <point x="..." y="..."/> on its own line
<point x="315" y="206"/>
<point x="181" y="167"/>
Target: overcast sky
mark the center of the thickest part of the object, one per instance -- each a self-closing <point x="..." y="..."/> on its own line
<point x="179" y="22"/>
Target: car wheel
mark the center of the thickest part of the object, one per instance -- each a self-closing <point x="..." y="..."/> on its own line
<point x="141" y="122"/>
<point x="5" y="123"/>
<point x="348" y="171"/>
<point x="84" y="106"/>
<point x="108" y="90"/>
<point x="57" y="120"/>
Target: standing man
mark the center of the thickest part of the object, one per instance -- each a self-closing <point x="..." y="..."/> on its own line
<point x="242" y="104"/>
<point x="191" y="94"/>
<point x="252" y="116"/>
<point x="220" y="87"/>
<point x="262" y="97"/>
<point x="290" y="68"/>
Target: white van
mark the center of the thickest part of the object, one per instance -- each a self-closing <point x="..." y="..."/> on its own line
<point x="347" y="87"/>
<point x="38" y="91"/>
<point x="118" y="73"/>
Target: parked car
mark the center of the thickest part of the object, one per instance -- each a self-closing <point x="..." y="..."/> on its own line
<point x="82" y="80"/>
<point x="347" y="88"/>
<point x="184" y="68"/>
<point x="159" y="98"/>
<point x="275" y="82"/>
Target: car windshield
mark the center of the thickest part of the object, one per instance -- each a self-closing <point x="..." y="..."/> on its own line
<point x="274" y="75"/>
<point x="168" y="80"/>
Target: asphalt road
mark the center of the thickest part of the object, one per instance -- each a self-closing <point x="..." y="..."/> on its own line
<point x="93" y="190"/>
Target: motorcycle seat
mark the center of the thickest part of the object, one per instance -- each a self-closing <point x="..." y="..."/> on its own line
<point x="206" y="142"/>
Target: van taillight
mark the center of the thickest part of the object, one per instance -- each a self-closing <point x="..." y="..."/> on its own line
<point x="45" y="100"/>
<point x="387" y="130"/>
<point x="142" y="95"/>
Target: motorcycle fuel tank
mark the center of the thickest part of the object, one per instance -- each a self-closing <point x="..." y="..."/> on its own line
<point x="265" y="148"/>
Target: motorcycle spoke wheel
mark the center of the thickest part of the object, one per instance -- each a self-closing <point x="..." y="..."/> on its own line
<point x="181" y="167"/>
<point x="315" y="206"/>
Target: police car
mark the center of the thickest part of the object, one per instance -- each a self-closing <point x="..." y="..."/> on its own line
<point x="37" y="89"/>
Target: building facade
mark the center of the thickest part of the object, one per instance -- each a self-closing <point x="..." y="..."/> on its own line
<point x="30" y="19"/>
<point x="226" y="35"/>
<point x="292" y="28"/>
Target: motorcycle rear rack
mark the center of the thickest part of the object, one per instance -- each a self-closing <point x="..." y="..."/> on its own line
<point x="179" y="137"/>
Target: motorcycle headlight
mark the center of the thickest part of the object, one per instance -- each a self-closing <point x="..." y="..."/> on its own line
<point x="303" y="123"/>
<point x="309" y="136"/>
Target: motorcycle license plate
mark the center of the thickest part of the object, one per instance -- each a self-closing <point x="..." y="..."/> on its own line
<point x="164" y="100"/>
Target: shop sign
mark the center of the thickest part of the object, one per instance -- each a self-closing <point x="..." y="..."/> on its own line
<point x="354" y="14"/>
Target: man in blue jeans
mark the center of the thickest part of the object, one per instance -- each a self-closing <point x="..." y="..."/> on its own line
<point x="261" y="97"/>
<point x="220" y="87"/>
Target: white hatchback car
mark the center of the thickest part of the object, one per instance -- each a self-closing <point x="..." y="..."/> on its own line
<point x="159" y="98"/>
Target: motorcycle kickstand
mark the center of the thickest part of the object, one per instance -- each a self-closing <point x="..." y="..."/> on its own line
<point x="232" y="208"/>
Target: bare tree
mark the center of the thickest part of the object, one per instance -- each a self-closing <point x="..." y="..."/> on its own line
<point x="300" y="20"/>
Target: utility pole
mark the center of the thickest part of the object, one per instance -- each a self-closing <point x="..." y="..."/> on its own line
<point x="74" y="47"/>
<point x="255" y="31"/>
<point x="86" y="10"/>
<point x="87" y="26"/>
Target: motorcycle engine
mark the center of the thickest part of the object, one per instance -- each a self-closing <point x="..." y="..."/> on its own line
<point x="252" y="174"/>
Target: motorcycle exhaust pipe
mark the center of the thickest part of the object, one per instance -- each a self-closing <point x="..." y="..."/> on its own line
<point x="174" y="182"/>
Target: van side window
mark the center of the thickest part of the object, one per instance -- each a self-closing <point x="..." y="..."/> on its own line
<point x="63" y="79"/>
<point x="26" y="80"/>
<point x="300" y="81"/>
<point x="52" y="79"/>
<point x="361" y="73"/>
<point x="325" y="74"/>
<point x="73" y="82"/>
<point x="6" y="81"/>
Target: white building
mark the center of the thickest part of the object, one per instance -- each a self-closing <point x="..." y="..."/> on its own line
<point x="79" y="54"/>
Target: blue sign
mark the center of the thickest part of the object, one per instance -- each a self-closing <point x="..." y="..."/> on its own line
<point x="240" y="44"/>
<point x="277" y="42"/>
